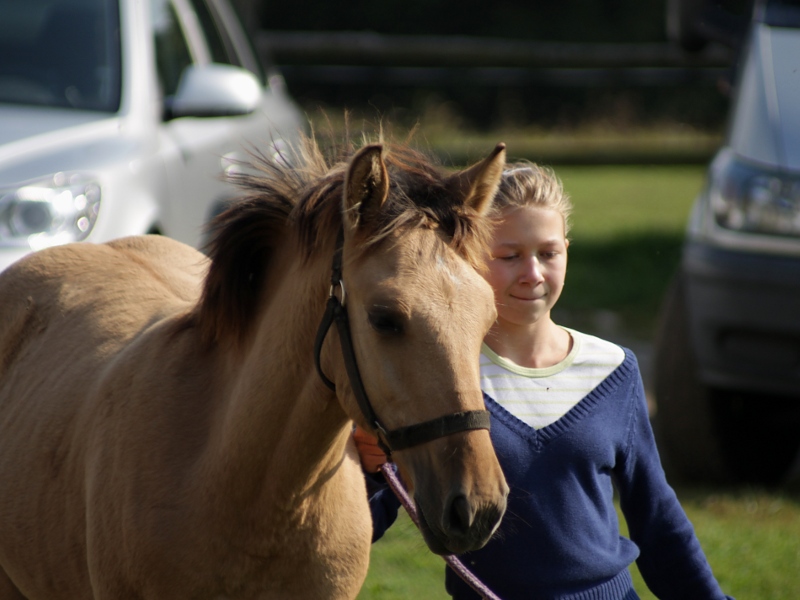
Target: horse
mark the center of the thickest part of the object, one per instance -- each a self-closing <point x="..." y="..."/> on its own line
<point x="164" y="430"/>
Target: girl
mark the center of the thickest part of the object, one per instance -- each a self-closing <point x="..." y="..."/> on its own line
<point x="569" y="423"/>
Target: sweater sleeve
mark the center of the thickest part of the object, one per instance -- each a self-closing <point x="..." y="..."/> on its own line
<point x="383" y="505"/>
<point x="671" y="561"/>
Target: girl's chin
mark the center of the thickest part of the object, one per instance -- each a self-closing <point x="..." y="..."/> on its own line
<point x="525" y="316"/>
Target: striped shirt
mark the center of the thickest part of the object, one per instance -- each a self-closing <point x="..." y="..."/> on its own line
<point x="540" y="397"/>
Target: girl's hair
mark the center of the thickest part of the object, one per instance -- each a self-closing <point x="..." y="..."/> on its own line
<point x="527" y="184"/>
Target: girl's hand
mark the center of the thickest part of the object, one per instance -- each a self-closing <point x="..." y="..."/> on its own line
<point x="372" y="457"/>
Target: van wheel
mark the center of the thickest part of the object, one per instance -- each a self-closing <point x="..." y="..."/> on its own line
<point x="760" y="436"/>
<point x="685" y="423"/>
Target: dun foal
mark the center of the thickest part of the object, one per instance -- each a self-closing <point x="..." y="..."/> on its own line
<point x="164" y="432"/>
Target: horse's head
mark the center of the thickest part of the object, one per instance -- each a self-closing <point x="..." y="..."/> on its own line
<point x="408" y="237"/>
<point x="418" y="311"/>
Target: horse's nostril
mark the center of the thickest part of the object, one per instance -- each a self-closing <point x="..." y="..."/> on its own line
<point x="461" y="515"/>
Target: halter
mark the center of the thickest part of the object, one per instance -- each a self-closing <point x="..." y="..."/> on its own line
<point x="403" y="437"/>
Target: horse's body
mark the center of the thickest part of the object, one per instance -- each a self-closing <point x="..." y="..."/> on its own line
<point x="163" y="432"/>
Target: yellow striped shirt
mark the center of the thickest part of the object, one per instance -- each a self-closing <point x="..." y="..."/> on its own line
<point x="540" y="397"/>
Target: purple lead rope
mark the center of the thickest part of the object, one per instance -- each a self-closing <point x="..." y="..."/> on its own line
<point x="451" y="560"/>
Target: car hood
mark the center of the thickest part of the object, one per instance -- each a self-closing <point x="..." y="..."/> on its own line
<point x="766" y="117"/>
<point x="35" y="142"/>
<point x="21" y="122"/>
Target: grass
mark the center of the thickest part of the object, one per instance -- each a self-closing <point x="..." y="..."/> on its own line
<point x="751" y="538"/>
<point x="628" y="228"/>
<point x="402" y="568"/>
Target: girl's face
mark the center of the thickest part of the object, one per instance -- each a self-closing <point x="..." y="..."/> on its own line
<point x="528" y="264"/>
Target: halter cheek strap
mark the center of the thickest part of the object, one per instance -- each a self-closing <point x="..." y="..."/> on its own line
<point x="396" y="439"/>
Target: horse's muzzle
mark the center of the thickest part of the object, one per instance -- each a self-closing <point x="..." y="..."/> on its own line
<point x="462" y="526"/>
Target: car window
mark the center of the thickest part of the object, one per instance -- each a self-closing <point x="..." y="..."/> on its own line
<point x="219" y="44"/>
<point x="237" y="42"/>
<point x="172" y="51"/>
<point x="63" y="53"/>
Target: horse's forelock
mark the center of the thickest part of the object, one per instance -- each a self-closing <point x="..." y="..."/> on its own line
<point x="419" y="197"/>
<point x="308" y="196"/>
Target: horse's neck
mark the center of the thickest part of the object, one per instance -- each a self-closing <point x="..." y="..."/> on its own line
<point x="280" y="430"/>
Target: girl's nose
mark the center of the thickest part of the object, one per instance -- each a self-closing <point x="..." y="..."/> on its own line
<point x="532" y="271"/>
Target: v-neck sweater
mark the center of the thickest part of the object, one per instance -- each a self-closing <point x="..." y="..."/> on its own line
<point x="560" y="536"/>
<point x="539" y="396"/>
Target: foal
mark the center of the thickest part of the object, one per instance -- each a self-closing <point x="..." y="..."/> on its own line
<point x="164" y="432"/>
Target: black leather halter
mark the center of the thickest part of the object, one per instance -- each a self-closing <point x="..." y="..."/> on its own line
<point x="403" y="437"/>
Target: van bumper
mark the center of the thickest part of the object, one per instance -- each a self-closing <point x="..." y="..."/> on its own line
<point x="744" y="312"/>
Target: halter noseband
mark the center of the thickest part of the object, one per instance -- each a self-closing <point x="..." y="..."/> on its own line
<point x="403" y="437"/>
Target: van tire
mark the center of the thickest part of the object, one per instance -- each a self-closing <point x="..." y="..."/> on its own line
<point x="685" y="423"/>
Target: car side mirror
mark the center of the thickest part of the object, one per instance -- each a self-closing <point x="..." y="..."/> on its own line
<point x="214" y="90"/>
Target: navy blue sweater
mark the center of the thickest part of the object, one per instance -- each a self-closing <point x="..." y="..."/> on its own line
<point x="560" y="536"/>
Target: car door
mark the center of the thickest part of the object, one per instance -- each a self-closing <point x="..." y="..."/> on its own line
<point x="193" y="32"/>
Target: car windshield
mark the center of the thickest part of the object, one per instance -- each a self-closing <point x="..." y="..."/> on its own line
<point x="62" y="53"/>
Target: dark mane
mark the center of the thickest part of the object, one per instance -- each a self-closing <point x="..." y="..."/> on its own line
<point x="305" y="192"/>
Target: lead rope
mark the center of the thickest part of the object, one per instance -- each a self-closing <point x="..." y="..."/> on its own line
<point x="452" y="561"/>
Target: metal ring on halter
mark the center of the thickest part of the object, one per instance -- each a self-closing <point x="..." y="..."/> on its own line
<point x="333" y="288"/>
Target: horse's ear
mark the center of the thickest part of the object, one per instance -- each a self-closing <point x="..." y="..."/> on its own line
<point x="366" y="185"/>
<point x="477" y="185"/>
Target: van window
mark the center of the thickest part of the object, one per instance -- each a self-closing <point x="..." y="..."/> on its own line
<point x="782" y="13"/>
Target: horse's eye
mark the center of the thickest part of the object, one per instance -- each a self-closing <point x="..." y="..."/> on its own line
<point x="385" y="321"/>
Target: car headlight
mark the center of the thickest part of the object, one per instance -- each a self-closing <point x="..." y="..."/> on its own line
<point x="752" y="198"/>
<point x="48" y="212"/>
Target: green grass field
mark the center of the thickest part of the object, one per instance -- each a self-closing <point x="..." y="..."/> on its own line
<point x="628" y="228"/>
<point x="751" y="538"/>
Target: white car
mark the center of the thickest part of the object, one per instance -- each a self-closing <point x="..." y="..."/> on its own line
<point x="118" y="117"/>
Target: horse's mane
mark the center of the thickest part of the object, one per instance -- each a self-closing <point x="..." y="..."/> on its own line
<point x="304" y="191"/>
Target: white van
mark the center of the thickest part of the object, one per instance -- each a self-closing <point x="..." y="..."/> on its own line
<point x="727" y="368"/>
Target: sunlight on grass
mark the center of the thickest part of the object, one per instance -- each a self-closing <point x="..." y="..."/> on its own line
<point x="402" y="567"/>
<point x="439" y="130"/>
<point x="628" y="229"/>
<point x="751" y="538"/>
<point x="611" y="201"/>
